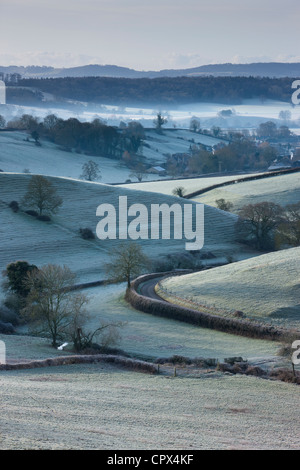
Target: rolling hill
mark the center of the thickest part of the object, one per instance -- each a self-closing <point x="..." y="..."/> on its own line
<point x="280" y="189"/>
<point x="265" y="288"/>
<point x="18" y="154"/>
<point x="24" y="237"/>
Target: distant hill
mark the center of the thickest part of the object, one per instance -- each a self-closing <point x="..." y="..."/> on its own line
<point x="259" y="69"/>
<point x="160" y="91"/>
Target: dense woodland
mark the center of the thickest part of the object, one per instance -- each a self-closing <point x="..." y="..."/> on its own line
<point x="166" y="91"/>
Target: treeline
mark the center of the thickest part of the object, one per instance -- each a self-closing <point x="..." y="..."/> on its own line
<point x="91" y="138"/>
<point x="23" y="96"/>
<point x="166" y="91"/>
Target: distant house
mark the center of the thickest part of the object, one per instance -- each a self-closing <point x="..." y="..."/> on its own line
<point x="157" y="170"/>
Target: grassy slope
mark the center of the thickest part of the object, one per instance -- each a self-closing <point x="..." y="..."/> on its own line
<point x="103" y="407"/>
<point x="281" y="189"/>
<point x="145" y="335"/>
<point x="265" y="287"/>
<point x="173" y="141"/>
<point x="38" y="242"/>
<point x="17" y="155"/>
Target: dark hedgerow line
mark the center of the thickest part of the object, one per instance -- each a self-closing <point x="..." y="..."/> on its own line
<point x="128" y="363"/>
<point x="240" y="180"/>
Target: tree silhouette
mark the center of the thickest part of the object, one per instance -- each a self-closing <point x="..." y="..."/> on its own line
<point x="42" y="195"/>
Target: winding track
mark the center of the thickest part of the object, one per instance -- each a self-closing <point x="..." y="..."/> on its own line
<point x="147" y="289"/>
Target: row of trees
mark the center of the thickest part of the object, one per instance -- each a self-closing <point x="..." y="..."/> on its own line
<point x="241" y="154"/>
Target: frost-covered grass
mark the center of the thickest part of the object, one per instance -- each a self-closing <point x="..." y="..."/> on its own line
<point x="23" y="237"/>
<point x="190" y="185"/>
<point x="266" y="287"/>
<point x="152" y="336"/>
<point x="24" y="348"/>
<point x="17" y="155"/>
<point x="102" y="407"/>
<point x="144" y="335"/>
<point x="173" y="141"/>
<point x="281" y="189"/>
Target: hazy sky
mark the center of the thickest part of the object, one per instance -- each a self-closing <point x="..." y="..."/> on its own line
<point x="148" y="34"/>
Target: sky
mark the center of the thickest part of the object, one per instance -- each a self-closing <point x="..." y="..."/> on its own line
<point x="148" y="34"/>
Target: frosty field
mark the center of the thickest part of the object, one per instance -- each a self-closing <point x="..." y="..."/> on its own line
<point x="248" y="114"/>
<point x="17" y="155"/>
<point x="265" y="287"/>
<point x="101" y="406"/>
<point x="146" y="335"/>
<point x="190" y="185"/>
<point x="59" y="241"/>
<point x="104" y="407"/>
<point x="280" y="189"/>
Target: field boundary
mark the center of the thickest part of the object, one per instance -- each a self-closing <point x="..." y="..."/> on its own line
<point x="204" y="320"/>
<point x="241" y="180"/>
<point x="132" y="364"/>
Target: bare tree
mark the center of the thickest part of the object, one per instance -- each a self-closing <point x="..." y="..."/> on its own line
<point x="90" y="171"/>
<point x="105" y="336"/>
<point x="42" y="195"/>
<point x="128" y="261"/>
<point x="138" y="172"/>
<point x="2" y="122"/>
<point x="259" y="222"/>
<point x="285" y="115"/>
<point x="51" y="305"/>
<point x="159" y="121"/>
<point x="194" y="124"/>
<point x="289" y="229"/>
